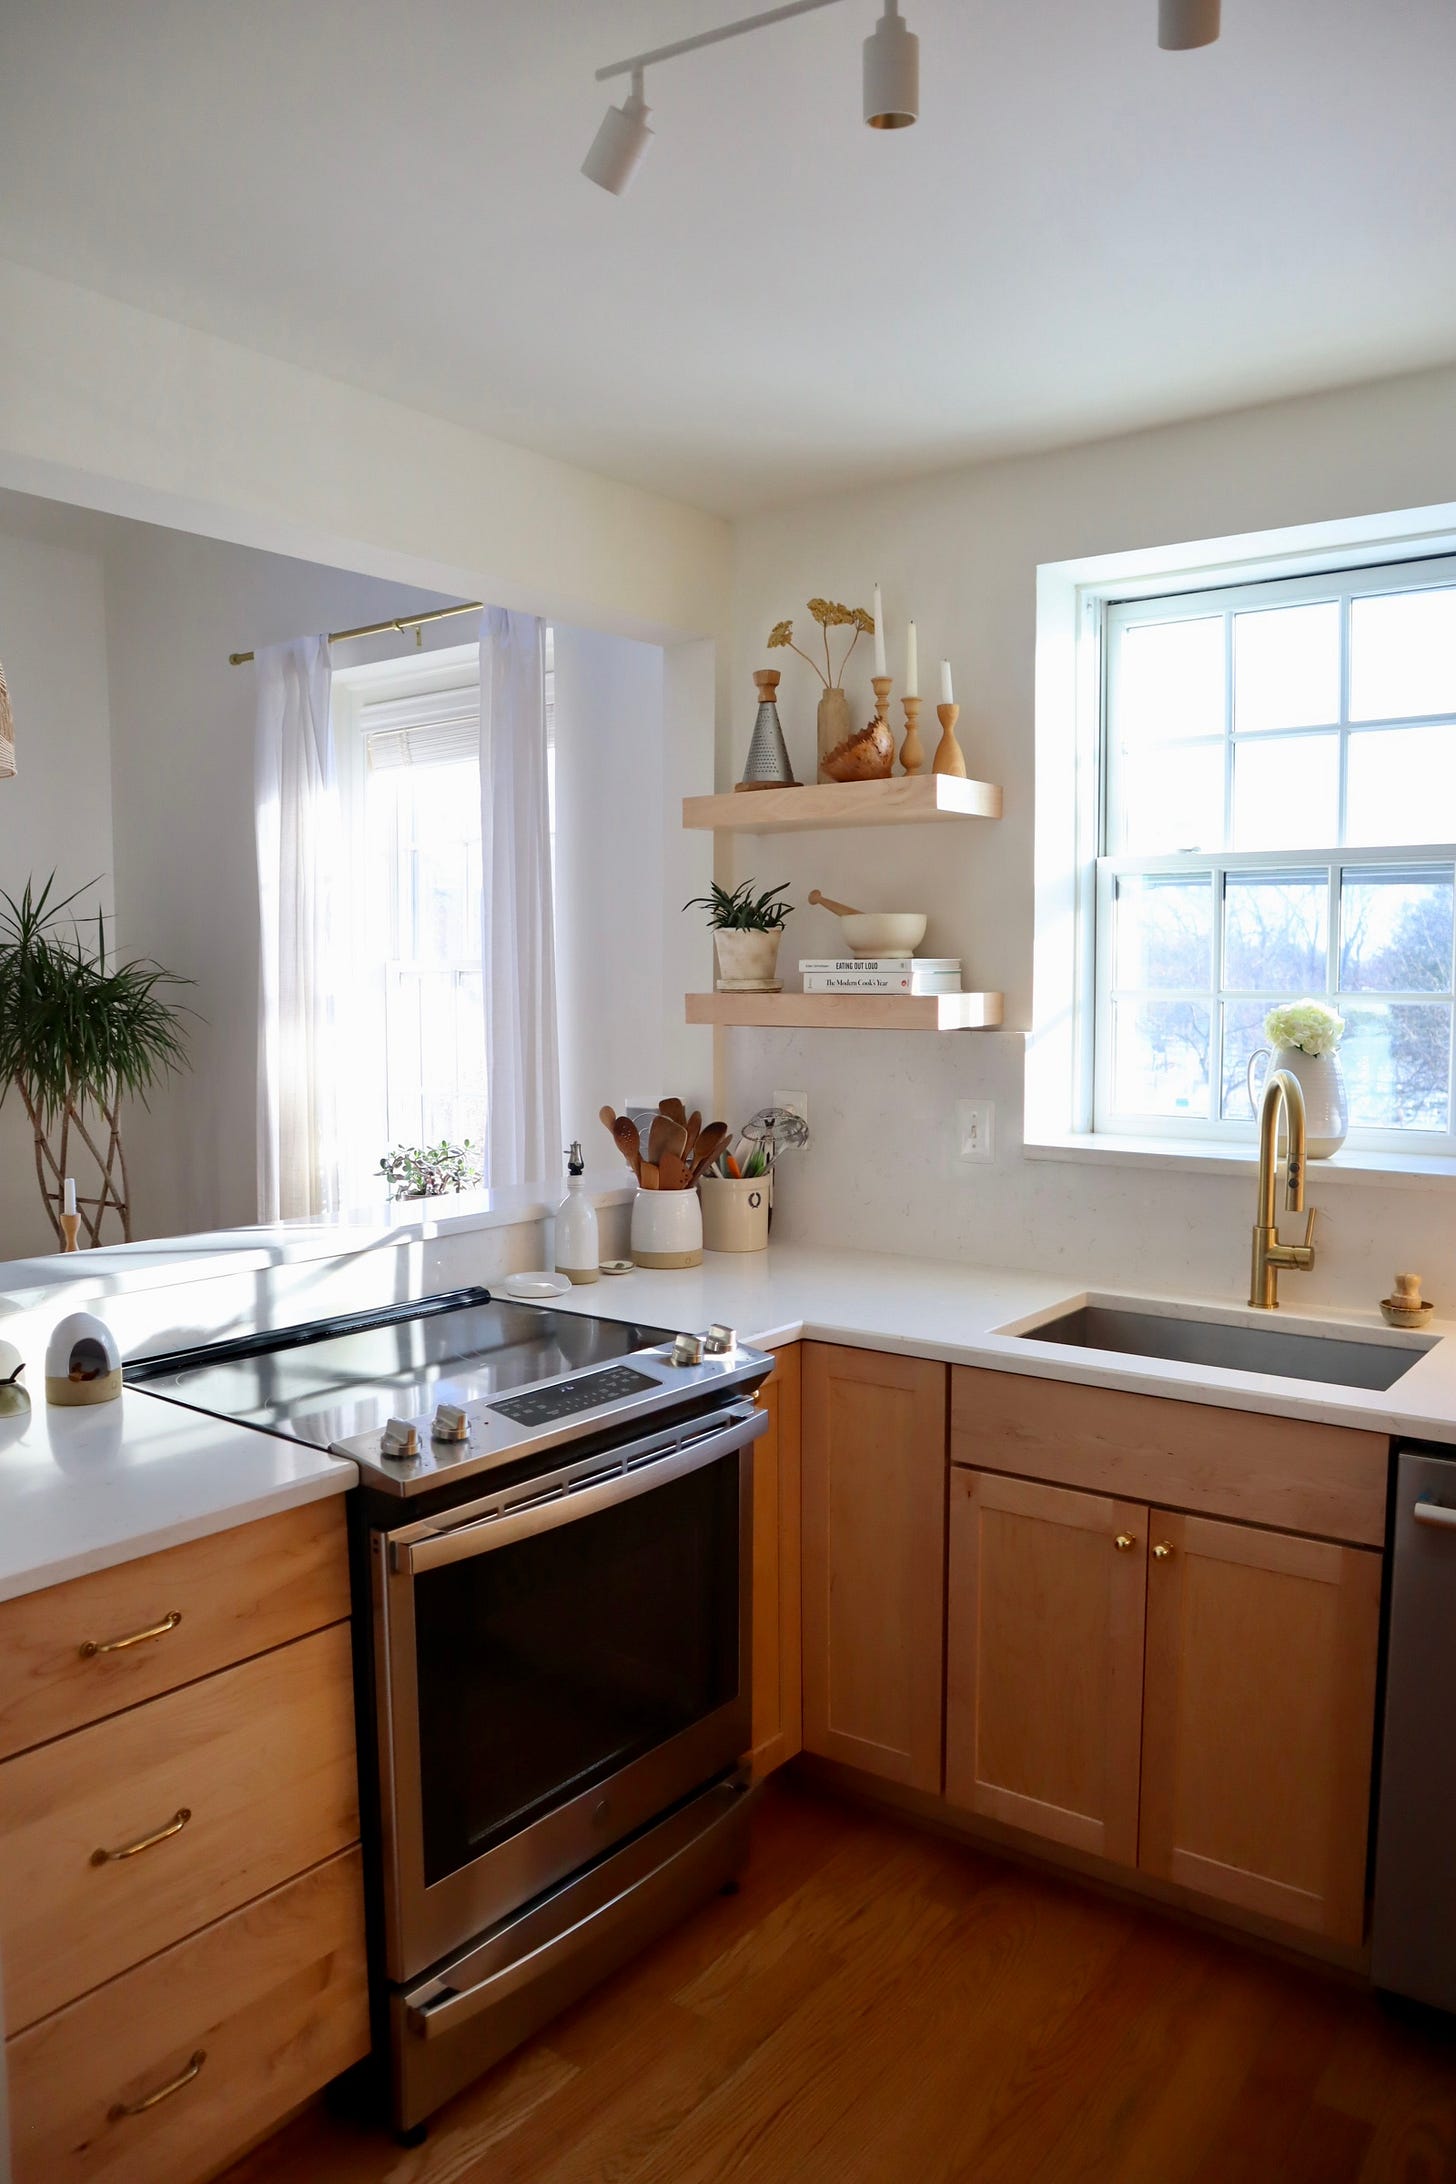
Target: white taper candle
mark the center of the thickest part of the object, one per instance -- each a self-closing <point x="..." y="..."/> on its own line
<point x="912" y="663"/>
<point x="947" y="694"/>
<point x="70" y="1206"/>
<point x="880" y="667"/>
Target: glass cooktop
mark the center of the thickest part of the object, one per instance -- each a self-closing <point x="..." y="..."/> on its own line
<point x="322" y="1382"/>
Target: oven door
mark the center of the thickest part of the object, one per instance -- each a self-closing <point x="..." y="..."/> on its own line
<point x="557" y="1666"/>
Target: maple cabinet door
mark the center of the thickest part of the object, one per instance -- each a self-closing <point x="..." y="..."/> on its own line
<point x="1258" y="1719"/>
<point x="874" y="1489"/>
<point x="777" y="1699"/>
<point x="1044" y="1667"/>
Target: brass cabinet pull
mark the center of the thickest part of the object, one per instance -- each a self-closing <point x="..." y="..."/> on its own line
<point x="93" y="1646"/>
<point x="174" y="1826"/>
<point x="1123" y="1542"/>
<point x="118" y="2109"/>
<point x="1162" y="1552"/>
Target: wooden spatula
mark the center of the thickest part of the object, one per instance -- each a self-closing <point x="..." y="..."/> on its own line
<point x="710" y="1144"/>
<point x="628" y="1143"/>
<point x="695" y="1124"/>
<point x="665" y="1136"/>
<point x="827" y="902"/>
<point x="674" y="1108"/>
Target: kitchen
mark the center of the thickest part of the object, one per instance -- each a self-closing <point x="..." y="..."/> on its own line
<point x="953" y="1732"/>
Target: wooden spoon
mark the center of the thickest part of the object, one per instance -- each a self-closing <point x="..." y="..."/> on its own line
<point x="695" y="1124"/>
<point x="628" y="1143"/>
<point x="827" y="902"/>
<point x="674" y="1108"/>
<point x="710" y="1145"/>
<point x="665" y="1136"/>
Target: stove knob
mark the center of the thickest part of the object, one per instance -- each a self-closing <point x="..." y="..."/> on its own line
<point x="687" y="1350"/>
<point x="720" y="1340"/>
<point x="451" y="1424"/>
<point x="399" y="1440"/>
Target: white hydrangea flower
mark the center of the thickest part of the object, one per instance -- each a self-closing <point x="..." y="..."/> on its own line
<point x="1312" y="1026"/>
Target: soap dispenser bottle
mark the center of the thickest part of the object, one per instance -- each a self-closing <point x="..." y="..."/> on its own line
<point x="578" y="1250"/>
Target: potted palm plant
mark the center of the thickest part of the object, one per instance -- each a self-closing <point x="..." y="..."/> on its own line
<point x="747" y="929"/>
<point x="77" y="1037"/>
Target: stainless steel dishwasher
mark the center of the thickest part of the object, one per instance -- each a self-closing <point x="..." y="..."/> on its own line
<point x="1414" y="1929"/>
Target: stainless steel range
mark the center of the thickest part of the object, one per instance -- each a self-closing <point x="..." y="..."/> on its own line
<point x="551" y="1580"/>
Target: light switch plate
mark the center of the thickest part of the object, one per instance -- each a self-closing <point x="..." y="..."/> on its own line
<point x="796" y="1102"/>
<point x="975" y="1132"/>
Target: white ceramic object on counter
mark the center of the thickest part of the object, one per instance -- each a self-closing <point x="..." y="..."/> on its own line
<point x="1322" y="1081"/>
<point x="83" y="1364"/>
<point x="667" y="1229"/>
<point x="578" y="1247"/>
<point x="735" y="1212"/>
<point x="884" y="932"/>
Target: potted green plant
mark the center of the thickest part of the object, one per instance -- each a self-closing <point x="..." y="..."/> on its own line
<point x="430" y="1171"/>
<point x="747" y="929"/>
<point x="77" y="1037"/>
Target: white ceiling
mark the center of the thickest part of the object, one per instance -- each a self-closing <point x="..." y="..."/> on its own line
<point x="1082" y="234"/>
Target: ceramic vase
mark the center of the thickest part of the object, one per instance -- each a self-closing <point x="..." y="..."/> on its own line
<point x="735" y="1212"/>
<point x="748" y="962"/>
<point x="835" y="726"/>
<point x="667" y="1229"/>
<point x="1322" y="1081"/>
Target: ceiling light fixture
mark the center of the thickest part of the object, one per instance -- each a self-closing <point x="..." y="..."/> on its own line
<point x="891" y="72"/>
<point x="620" y="143"/>
<point x="891" y="86"/>
<point x="1186" y="24"/>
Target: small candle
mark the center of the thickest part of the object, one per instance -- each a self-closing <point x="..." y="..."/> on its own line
<point x="947" y="694"/>
<point x="912" y="663"/>
<point x="70" y="1194"/>
<point x="880" y="668"/>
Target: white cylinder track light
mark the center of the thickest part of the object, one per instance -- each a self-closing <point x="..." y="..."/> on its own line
<point x="891" y="73"/>
<point x="620" y="143"/>
<point x="1186" y="24"/>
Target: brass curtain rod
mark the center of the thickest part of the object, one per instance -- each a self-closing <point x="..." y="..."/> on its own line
<point x="377" y="629"/>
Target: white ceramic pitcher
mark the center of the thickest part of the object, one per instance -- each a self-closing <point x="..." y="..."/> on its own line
<point x="1322" y="1081"/>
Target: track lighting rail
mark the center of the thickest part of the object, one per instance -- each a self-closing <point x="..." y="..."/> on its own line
<point x="639" y="61"/>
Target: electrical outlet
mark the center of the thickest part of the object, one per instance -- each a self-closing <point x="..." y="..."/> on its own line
<point x="796" y="1102"/>
<point x="975" y="1132"/>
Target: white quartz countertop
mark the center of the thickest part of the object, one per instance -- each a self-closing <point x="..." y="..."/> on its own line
<point x="83" y="1489"/>
<point x="926" y="1308"/>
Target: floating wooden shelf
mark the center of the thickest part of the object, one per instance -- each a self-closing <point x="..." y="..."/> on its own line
<point x="849" y="1011"/>
<point x="903" y="800"/>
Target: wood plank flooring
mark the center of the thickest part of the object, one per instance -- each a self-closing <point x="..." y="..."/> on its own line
<point x="883" y="2007"/>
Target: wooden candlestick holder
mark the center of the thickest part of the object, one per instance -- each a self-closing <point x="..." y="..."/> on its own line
<point x="949" y="757"/>
<point x="70" y="1230"/>
<point x="881" y="686"/>
<point x="912" y="750"/>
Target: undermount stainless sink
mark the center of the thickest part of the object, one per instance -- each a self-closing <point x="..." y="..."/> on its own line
<point x="1335" y="1360"/>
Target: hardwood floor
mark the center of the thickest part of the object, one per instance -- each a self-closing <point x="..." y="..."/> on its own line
<point x="883" y="2007"/>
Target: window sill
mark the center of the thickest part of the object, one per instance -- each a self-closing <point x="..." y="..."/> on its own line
<point x="1193" y="1156"/>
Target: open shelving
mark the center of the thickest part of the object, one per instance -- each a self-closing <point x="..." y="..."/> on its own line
<point x="902" y="800"/>
<point x="848" y="1011"/>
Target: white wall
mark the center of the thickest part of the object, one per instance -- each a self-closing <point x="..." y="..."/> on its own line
<point x="55" y="815"/>
<point x="117" y="409"/>
<point x="960" y="552"/>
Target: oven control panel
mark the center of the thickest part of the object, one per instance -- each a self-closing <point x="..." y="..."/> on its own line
<point x="565" y="1398"/>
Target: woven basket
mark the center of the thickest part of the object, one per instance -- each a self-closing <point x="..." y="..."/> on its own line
<point x="7" y="731"/>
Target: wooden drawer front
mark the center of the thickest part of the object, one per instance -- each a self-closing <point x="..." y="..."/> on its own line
<point x="1044" y="1669"/>
<point x="262" y="1759"/>
<point x="1328" y="1481"/>
<point x="212" y="1602"/>
<point x="1258" y="1722"/>
<point x="275" y="2001"/>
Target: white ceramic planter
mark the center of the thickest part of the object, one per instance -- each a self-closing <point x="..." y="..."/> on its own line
<point x="1322" y="1081"/>
<point x="748" y="962"/>
<point x="667" y="1229"/>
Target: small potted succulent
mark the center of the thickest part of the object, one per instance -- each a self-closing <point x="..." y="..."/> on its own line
<point x="1305" y="1037"/>
<point x="747" y="929"/>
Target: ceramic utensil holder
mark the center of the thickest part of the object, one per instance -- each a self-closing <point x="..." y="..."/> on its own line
<point x="667" y="1229"/>
<point x="735" y="1212"/>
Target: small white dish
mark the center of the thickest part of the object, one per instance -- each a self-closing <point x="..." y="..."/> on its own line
<point x="619" y="1266"/>
<point x="536" y="1285"/>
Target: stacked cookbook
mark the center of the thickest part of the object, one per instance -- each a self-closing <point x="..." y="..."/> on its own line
<point x="881" y="974"/>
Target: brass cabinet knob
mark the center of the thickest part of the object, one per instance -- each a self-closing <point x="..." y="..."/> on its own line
<point x="1162" y="1552"/>
<point x="1123" y="1542"/>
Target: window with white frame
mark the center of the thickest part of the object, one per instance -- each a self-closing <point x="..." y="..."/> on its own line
<point x="408" y="738"/>
<point x="1279" y="820"/>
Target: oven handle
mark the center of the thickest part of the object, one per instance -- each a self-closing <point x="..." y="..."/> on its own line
<point x="446" y="2013"/>
<point x="483" y="1534"/>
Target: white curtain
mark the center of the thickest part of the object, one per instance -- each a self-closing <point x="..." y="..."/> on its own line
<point x="297" y="816"/>
<point x="522" y="1073"/>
